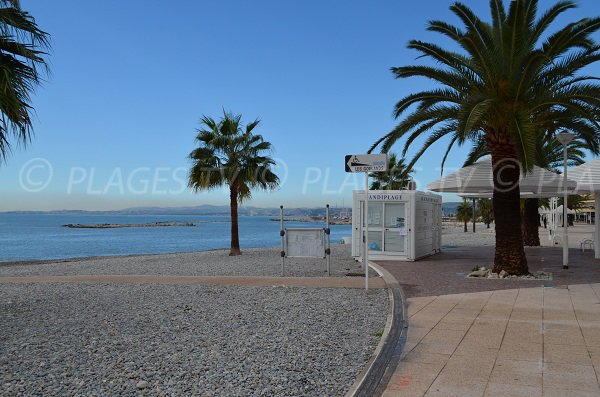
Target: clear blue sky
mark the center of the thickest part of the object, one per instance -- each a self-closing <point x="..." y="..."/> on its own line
<point x="116" y="120"/>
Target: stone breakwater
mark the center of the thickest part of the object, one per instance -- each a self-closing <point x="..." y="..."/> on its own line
<point x="315" y="220"/>
<point x="118" y="225"/>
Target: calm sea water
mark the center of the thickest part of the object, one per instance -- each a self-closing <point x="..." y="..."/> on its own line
<point x="41" y="236"/>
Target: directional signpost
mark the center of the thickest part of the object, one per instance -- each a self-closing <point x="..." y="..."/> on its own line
<point x="366" y="163"/>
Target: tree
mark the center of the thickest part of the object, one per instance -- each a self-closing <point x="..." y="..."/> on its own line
<point x="395" y="178"/>
<point x="23" y="47"/>
<point x="575" y="202"/>
<point x="230" y="155"/>
<point x="485" y="211"/>
<point x="464" y="213"/>
<point x="507" y="76"/>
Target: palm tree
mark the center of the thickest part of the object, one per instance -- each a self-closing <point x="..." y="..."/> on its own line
<point x="485" y="211"/>
<point x="230" y="155"/>
<point x="508" y="75"/>
<point x="395" y="178"/>
<point x="22" y="62"/>
<point x="464" y="213"/>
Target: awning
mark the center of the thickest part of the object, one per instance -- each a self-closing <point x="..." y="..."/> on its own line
<point x="477" y="181"/>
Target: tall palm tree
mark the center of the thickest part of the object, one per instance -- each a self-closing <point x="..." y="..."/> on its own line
<point x="395" y="178"/>
<point x="229" y="154"/>
<point x="23" y="47"/>
<point x="506" y="73"/>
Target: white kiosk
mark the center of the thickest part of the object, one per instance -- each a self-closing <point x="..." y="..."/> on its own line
<point x="403" y="224"/>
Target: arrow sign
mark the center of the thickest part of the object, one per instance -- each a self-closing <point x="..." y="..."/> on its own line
<point x="366" y="162"/>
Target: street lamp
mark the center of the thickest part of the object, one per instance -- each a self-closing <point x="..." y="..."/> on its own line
<point x="565" y="138"/>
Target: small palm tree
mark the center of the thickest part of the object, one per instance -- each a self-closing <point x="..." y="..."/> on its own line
<point x="508" y="75"/>
<point x="485" y="211"/>
<point x="464" y="213"/>
<point x="395" y="178"/>
<point x="229" y="154"/>
<point x="22" y="61"/>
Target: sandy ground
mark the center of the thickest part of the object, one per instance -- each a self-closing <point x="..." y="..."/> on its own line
<point x="453" y="235"/>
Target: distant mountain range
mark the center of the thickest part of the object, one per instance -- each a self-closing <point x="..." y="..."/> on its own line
<point x="450" y="207"/>
<point x="206" y="209"/>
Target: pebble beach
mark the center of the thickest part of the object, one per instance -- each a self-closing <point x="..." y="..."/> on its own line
<point x="186" y="340"/>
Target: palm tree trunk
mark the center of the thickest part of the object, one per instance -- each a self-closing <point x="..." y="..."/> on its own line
<point x="509" y="255"/>
<point x="235" y="239"/>
<point x="466" y="226"/>
<point x="531" y="223"/>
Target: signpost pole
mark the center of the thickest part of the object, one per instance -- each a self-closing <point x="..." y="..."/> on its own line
<point x="366" y="251"/>
<point x="328" y="246"/>
<point x="282" y="234"/>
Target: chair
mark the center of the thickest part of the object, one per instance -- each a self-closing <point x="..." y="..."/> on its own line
<point x="588" y="242"/>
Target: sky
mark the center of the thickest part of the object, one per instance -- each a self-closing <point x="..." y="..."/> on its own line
<point x="116" y="119"/>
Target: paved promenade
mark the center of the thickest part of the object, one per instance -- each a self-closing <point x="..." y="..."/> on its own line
<point x="521" y="342"/>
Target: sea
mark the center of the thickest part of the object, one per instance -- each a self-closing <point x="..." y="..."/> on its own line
<point x="35" y="236"/>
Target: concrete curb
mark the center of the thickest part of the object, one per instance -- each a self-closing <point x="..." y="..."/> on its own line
<point x="373" y="380"/>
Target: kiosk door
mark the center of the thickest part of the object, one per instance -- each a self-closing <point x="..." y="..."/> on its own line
<point x="395" y="227"/>
<point x="376" y="226"/>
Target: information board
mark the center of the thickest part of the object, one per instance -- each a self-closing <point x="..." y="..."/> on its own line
<point x="305" y="243"/>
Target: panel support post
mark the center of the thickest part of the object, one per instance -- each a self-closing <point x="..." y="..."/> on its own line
<point x="328" y="236"/>
<point x="366" y="239"/>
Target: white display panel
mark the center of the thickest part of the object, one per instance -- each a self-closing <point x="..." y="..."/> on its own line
<point x="305" y="243"/>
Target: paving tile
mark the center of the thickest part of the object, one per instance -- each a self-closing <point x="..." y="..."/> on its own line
<point x="411" y="379"/>
<point x="455" y="387"/>
<point x="470" y="348"/>
<point x="559" y="337"/>
<point x="508" y="390"/>
<point x="456" y="321"/>
<point x="482" y="340"/>
<point x="452" y="337"/>
<point x="416" y="304"/>
<point x="526" y="373"/>
<point x="594" y="352"/>
<point x="524" y="333"/>
<point x="567" y="354"/>
<point x="475" y="368"/>
<point x="420" y="356"/>
<point x="554" y="392"/>
<point x="567" y="376"/>
<point x="514" y="350"/>
<point x="526" y="315"/>
<point x="415" y="334"/>
<point x="591" y="332"/>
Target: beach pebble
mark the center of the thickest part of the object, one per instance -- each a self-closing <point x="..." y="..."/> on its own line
<point x="142" y="384"/>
